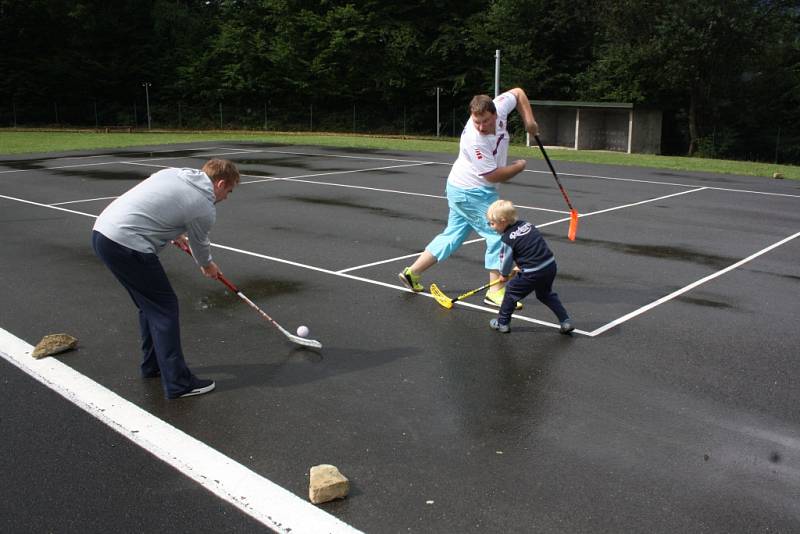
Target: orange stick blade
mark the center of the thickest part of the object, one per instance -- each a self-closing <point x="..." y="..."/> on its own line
<point x="573" y="225"/>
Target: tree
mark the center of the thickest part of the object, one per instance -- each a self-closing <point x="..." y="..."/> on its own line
<point x="692" y="52"/>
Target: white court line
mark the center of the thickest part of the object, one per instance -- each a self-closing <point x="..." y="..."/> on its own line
<point x="271" y="258"/>
<point x="52" y="207"/>
<point x="80" y="201"/>
<point x="550" y="223"/>
<point x="676" y="184"/>
<point x="351" y="157"/>
<point x="299" y="180"/>
<point x="229" y="480"/>
<point x="126" y="162"/>
<point x="331" y="173"/>
<point x="370" y="281"/>
<point x="380" y="190"/>
<point x="314" y="154"/>
<point x="589" y="214"/>
<point x="343" y="273"/>
<point x="691" y="286"/>
<point x="600" y="177"/>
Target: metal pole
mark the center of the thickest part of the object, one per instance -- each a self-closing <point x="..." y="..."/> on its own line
<point x="146" y="86"/>
<point x="437" y="112"/>
<point x="496" y="73"/>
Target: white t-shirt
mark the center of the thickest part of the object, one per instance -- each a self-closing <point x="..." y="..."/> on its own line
<point x="478" y="155"/>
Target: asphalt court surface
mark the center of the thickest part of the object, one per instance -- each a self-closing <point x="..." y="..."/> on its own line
<point x="682" y="416"/>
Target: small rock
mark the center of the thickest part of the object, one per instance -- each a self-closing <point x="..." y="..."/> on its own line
<point x="777" y="176"/>
<point x="326" y="484"/>
<point x="53" y="344"/>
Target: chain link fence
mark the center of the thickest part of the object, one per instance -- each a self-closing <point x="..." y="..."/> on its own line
<point x="418" y="117"/>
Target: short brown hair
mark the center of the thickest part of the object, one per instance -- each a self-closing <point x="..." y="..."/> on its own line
<point x="222" y="169"/>
<point x="481" y="103"/>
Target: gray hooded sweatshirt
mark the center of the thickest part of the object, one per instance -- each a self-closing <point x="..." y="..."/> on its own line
<point x="169" y="203"/>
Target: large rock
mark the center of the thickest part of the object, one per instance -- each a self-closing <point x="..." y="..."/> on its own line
<point x="326" y="484"/>
<point x="53" y="344"/>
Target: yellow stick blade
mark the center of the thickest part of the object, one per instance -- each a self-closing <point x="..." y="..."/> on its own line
<point x="440" y="297"/>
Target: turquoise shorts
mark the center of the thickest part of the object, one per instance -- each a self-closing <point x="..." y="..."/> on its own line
<point x="467" y="212"/>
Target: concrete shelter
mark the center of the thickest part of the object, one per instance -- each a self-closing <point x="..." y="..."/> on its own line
<point x="621" y="126"/>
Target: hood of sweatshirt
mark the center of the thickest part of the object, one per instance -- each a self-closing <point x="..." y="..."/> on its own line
<point x="199" y="180"/>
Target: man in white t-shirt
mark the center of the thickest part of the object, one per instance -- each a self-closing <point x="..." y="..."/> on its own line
<point x="481" y="163"/>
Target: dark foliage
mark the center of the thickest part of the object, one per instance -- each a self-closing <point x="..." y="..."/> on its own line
<point x="726" y="73"/>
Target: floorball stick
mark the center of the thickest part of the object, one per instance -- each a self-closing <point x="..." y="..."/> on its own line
<point x="573" y="213"/>
<point x="313" y="343"/>
<point x="447" y="302"/>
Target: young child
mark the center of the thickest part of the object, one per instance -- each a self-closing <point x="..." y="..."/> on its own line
<point x="524" y="245"/>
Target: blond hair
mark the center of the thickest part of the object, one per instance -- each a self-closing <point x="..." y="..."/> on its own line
<point x="222" y="169"/>
<point x="502" y="210"/>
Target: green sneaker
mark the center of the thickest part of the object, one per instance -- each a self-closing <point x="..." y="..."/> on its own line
<point x="411" y="280"/>
<point x="495" y="298"/>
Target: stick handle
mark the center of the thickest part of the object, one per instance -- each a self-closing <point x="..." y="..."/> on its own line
<point x="228" y="283"/>
<point x="470" y="293"/>
<point x="553" y="170"/>
<point x="181" y="245"/>
<point x="297" y="339"/>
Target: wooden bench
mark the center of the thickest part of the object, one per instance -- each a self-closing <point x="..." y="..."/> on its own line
<point x="119" y="128"/>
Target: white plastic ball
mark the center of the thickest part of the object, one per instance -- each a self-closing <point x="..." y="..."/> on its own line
<point x="302" y="331"/>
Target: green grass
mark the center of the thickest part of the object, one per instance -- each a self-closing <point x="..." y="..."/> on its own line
<point x="39" y="141"/>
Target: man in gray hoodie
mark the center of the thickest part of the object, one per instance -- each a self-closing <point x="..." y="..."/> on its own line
<point x="128" y="235"/>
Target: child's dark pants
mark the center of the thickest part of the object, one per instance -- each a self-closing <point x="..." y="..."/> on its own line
<point x="524" y="284"/>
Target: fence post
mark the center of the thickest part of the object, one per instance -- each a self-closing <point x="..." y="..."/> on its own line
<point x="438" y="124"/>
<point x="147" y="86"/>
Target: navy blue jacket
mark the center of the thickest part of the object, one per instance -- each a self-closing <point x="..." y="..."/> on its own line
<point x="524" y="245"/>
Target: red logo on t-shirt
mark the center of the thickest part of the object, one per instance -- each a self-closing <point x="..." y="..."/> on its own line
<point x="478" y="153"/>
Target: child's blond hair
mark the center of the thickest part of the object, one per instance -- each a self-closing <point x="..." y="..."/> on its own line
<point x="502" y="210"/>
